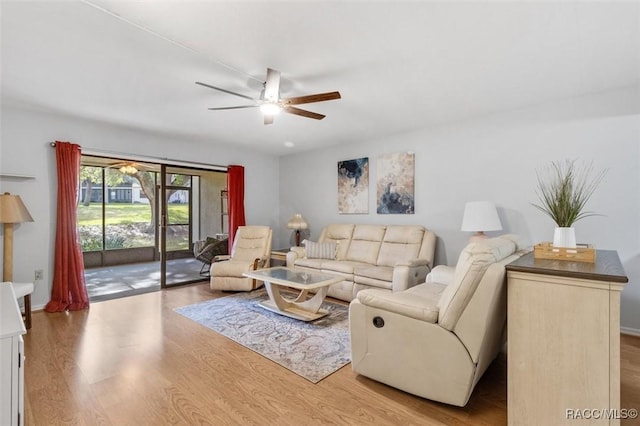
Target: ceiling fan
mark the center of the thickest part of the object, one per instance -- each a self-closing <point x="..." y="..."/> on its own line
<point x="128" y="167"/>
<point x="270" y="102"/>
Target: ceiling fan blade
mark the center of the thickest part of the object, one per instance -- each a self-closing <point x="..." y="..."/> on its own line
<point x="309" y="99"/>
<point x="225" y="91"/>
<point x="268" y="119"/>
<point x="272" y="86"/>
<point x="233" y="107"/>
<point x="302" y="112"/>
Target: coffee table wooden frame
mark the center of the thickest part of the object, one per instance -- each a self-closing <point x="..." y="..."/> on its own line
<point x="303" y="306"/>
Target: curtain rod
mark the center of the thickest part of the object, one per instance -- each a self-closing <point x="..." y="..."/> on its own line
<point x="148" y="158"/>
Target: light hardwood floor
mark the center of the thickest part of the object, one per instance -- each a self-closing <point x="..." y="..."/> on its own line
<point x="134" y="361"/>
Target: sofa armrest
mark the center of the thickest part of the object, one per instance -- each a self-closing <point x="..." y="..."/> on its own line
<point x="293" y="254"/>
<point x="402" y="303"/>
<point x="441" y="274"/>
<point x="408" y="273"/>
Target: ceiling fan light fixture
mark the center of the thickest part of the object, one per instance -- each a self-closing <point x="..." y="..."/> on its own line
<point x="270" y="108"/>
<point x="128" y="169"/>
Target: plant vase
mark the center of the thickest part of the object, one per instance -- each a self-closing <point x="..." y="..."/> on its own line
<point x="564" y="237"/>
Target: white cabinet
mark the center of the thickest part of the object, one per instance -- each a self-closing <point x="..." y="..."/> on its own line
<point x="11" y="359"/>
<point x="563" y="342"/>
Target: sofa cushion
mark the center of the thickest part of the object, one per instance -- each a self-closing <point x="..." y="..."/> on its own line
<point x="326" y="250"/>
<point x="384" y="273"/>
<point x="365" y="244"/>
<point x="309" y="263"/>
<point x="400" y="243"/>
<point x="372" y="282"/>
<point x="472" y="264"/>
<point x="342" y="266"/>
<point x="339" y="233"/>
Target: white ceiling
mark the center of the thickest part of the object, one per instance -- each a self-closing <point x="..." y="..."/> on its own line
<point x="399" y="66"/>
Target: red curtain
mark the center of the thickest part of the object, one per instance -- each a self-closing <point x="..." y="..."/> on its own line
<point x="69" y="290"/>
<point x="235" y="200"/>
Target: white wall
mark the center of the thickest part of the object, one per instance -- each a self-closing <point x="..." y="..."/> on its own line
<point x="24" y="149"/>
<point x="495" y="158"/>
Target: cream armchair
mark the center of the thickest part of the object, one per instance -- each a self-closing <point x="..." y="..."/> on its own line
<point x="436" y="339"/>
<point x="251" y="250"/>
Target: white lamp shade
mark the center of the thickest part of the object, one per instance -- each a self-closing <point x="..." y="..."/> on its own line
<point x="297" y="222"/>
<point x="480" y="216"/>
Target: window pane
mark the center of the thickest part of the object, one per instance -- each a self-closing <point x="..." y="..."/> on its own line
<point x="90" y="208"/>
<point x="177" y="237"/>
<point x="178" y="208"/>
<point x="176" y="179"/>
<point x="128" y="217"/>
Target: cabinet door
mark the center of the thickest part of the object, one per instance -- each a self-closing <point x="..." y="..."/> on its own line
<point x="12" y="381"/>
<point x="19" y="379"/>
<point x="6" y="383"/>
<point x="559" y="353"/>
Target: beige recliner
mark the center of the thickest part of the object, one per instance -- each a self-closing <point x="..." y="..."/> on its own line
<point x="436" y="339"/>
<point x="251" y="250"/>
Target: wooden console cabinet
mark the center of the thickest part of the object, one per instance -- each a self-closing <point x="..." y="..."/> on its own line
<point x="11" y="359"/>
<point x="563" y="347"/>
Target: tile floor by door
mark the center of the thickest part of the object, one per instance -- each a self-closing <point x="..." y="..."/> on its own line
<point x="111" y="282"/>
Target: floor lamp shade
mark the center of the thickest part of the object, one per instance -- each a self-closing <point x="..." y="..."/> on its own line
<point x="297" y="222"/>
<point x="12" y="210"/>
<point x="480" y="216"/>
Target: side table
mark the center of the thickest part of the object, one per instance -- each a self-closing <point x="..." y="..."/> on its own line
<point x="279" y="256"/>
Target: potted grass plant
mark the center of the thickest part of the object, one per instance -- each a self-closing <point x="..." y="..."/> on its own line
<point x="564" y="188"/>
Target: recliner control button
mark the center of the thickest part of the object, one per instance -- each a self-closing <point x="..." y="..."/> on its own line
<point x="378" y="322"/>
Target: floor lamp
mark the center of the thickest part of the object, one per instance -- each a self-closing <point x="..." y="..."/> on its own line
<point x="12" y="210"/>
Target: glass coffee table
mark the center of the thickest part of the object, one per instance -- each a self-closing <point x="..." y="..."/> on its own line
<point x="306" y="305"/>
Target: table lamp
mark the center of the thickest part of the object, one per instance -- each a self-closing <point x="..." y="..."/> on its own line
<point x="480" y="216"/>
<point x="12" y="210"/>
<point x="297" y="222"/>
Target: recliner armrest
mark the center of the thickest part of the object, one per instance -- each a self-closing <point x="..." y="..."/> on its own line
<point x="405" y="303"/>
<point x="441" y="274"/>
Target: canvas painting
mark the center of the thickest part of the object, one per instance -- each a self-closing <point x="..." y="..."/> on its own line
<point x="353" y="186"/>
<point x="395" y="184"/>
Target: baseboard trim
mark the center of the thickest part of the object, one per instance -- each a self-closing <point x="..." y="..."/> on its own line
<point x="630" y="331"/>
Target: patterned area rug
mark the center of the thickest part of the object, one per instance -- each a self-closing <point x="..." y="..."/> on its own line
<point x="312" y="350"/>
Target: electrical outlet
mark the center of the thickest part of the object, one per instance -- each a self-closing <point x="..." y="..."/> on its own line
<point x="38" y="274"/>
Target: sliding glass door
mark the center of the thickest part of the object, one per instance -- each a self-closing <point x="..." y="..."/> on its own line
<point x="191" y="210"/>
<point x="138" y="222"/>
<point x="176" y="227"/>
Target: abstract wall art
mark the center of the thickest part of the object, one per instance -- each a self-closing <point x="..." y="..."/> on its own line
<point x="396" y="183"/>
<point x="353" y="186"/>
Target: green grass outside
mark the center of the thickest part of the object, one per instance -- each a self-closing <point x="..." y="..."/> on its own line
<point x="117" y="214"/>
<point x="123" y="214"/>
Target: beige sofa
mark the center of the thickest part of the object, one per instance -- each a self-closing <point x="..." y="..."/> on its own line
<point x="386" y="257"/>
<point x="436" y="339"/>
